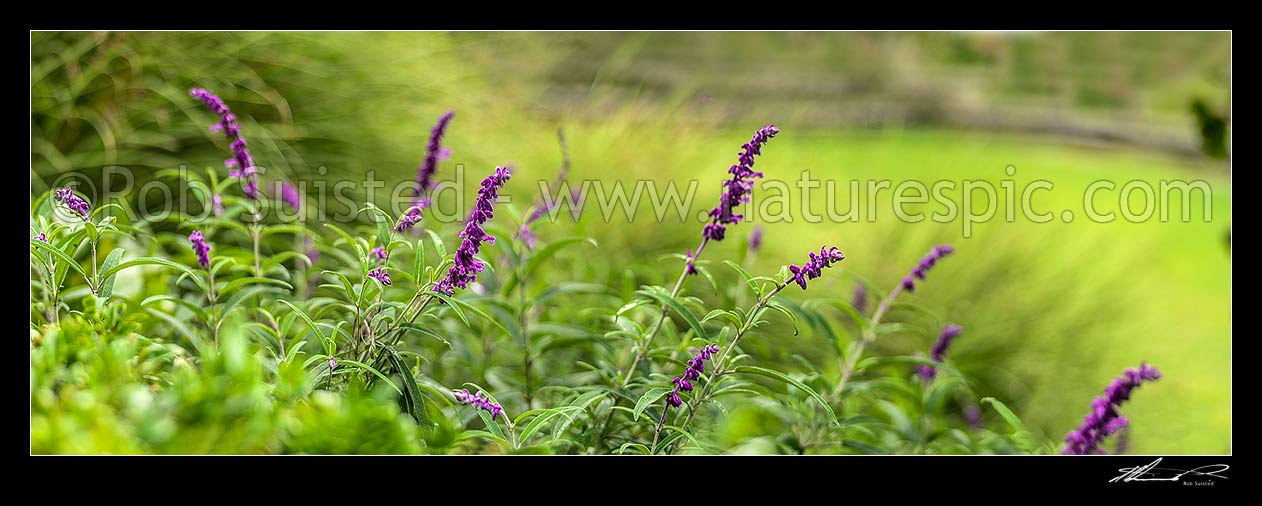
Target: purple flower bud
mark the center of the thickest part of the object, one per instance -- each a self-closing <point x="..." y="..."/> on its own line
<point x="41" y="237"/>
<point x="381" y="275"/>
<point x="926" y="263"/>
<point x="406" y="221"/>
<point x="216" y="204"/>
<point x="1104" y="418"/>
<point x="200" y="248"/>
<point x="379" y="253"/>
<point x="974" y="416"/>
<point x="814" y="268"/>
<point x="289" y="194"/>
<point x="332" y="363"/>
<point x="860" y="302"/>
<point x="674" y="400"/>
<point x="755" y="239"/>
<point x="938" y="352"/>
<point x="690" y="265"/>
<point x="479" y="401"/>
<point x="66" y="196"/>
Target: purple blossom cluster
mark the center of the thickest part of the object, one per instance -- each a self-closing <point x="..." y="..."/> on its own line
<point x="66" y="196"/>
<point x="926" y="263"/>
<point x="737" y="190"/>
<point x="434" y="153"/>
<point x="412" y="217"/>
<point x="381" y="275"/>
<point x="696" y="366"/>
<point x="200" y="248"/>
<point x="860" y="301"/>
<point x="313" y="253"/>
<point x="481" y="401"/>
<point x="241" y="158"/>
<point x="1104" y="418"/>
<point x="288" y="194"/>
<point x="467" y="267"/>
<point x="938" y="352"/>
<point x="755" y="239"/>
<point x="378" y="253"/>
<point x="815" y="266"/>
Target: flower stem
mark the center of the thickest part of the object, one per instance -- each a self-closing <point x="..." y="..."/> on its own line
<point x="720" y="365"/>
<point x="643" y="350"/>
<point x="869" y="335"/>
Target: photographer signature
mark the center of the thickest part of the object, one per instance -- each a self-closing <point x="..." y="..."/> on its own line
<point x="1151" y="472"/>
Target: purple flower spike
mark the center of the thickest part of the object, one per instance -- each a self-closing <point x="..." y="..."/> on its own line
<point x="973" y="414"/>
<point x="381" y="275"/>
<point x="860" y="303"/>
<point x="938" y="352"/>
<point x="480" y="401"/>
<point x="467" y="267"/>
<point x="379" y="253"/>
<point x="755" y="239"/>
<point x="200" y="248"/>
<point x="289" y="194"/>
<point x="66" y="196"/>
<point x="814" y="268"/>
<point x="241" y="158"/>
<point x="1104" y="418"/>
<point x="696" y="366"/>
<point x="737" y="190"/>
<point x="434" y="152"/>
<point x="41" y="237"/>
<point x="312" y="253"/>
<point x="926" y="263"/>
<point x="692" y="268"/>
<point x="406" y="221"/>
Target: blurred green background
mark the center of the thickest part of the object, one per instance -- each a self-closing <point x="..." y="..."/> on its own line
<point x="1052" y="311"/>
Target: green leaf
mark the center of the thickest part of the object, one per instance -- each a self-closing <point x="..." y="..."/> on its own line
<point x="539" y="257"/>
<point x="238" y="283"/>
<point x="683" y="311"/>
<point x="412" y="399"/>
<point x="438" y="243"/>
<point x="106" y="287"/>
<point x="383" y="225"/>
<point x="781" y="308"/>
<point x="1006" y="413"/>
<point x="649" y="397"/>
<point x="454" y="307"/>
<point x="197" y="310"/>
<point x="282" y="229"/>
<point x="66" y="259"/>
<point x="425" y="331"/>
<point x="340" y="232"/>
<point x="310" y="323"/>
<point x="156" y="261"/>
<point x="240" y="296"/>
<point x="749" y="369"/>
<point x="370" y="369"/>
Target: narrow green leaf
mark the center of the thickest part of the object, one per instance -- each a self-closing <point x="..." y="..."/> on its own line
<point x="683" y="312"/>
<point x="785" y="378"/>
<point x="539" y="257"/>
<point x="106" y="287"/>
<point x="65" y="259"/>
<point x="649" y="397"/>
